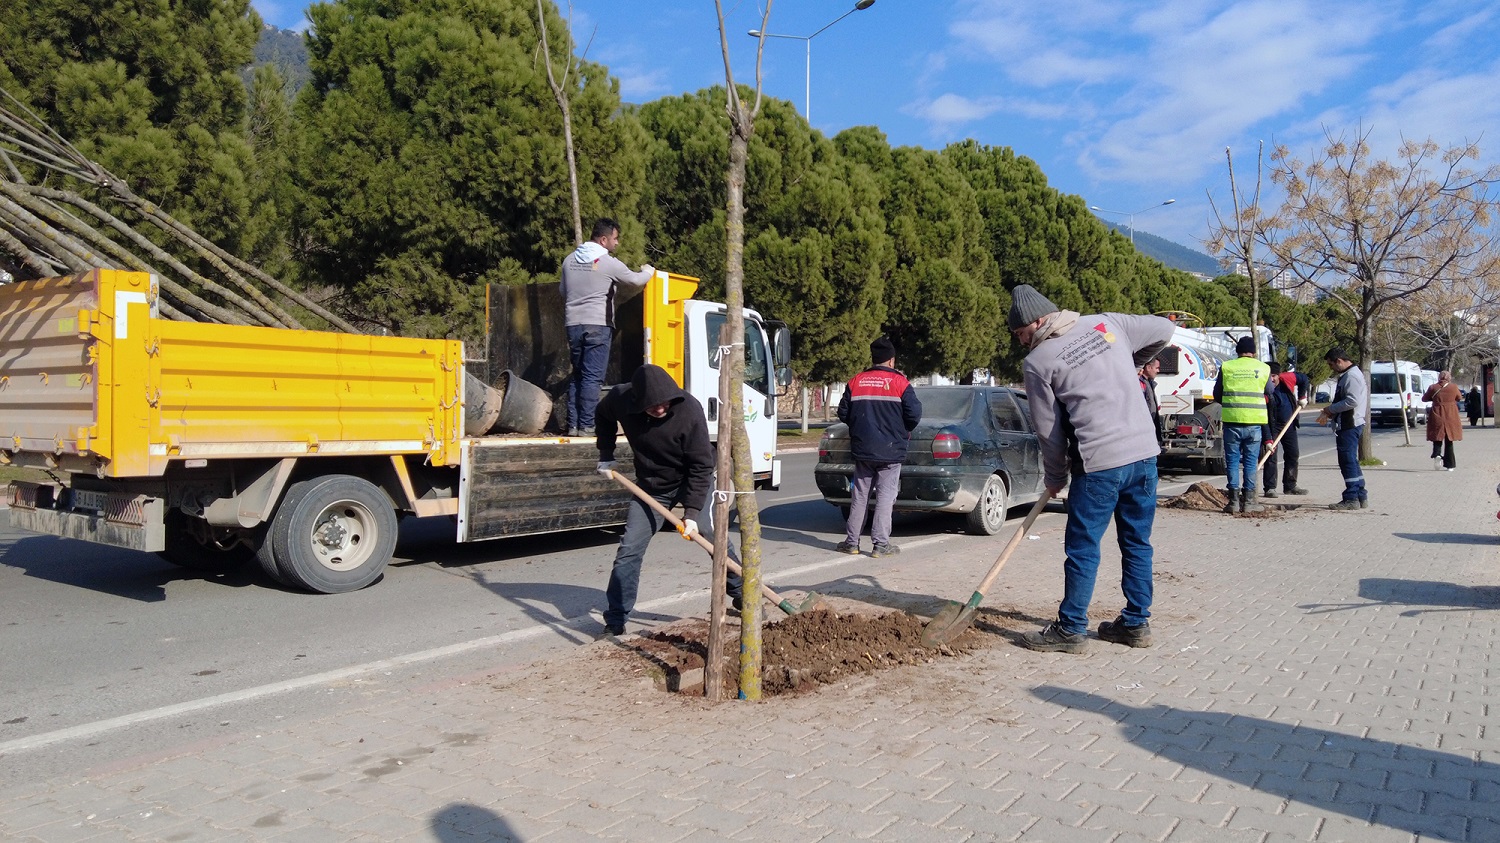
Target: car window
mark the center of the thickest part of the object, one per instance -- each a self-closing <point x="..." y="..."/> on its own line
<point x="1007" y="415"/>
<point x="945" y="403"/>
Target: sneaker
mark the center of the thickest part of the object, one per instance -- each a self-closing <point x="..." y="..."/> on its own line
<point x="612" y="631"/>
<point x="1364" y="504"/>
<point x="1347" y="505"/>
<point x="1295" y="490"/>
<point x="885" y="550"/>
<point x="1269" y="493"/>
<point x="585" y="431"/>
<point x="1052" y="639"/>
<point x="846" y="547"/>
<point x="1117" y="632"/>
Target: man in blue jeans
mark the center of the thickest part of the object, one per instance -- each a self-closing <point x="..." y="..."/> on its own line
<point x="590" y="280"/>
<point x="1347" y="412"/>
<point x="1242" y="390"/>
<point x="1085" y="402"/>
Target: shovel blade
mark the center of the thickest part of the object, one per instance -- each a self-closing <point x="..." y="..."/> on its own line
<point x="949" y="623"/>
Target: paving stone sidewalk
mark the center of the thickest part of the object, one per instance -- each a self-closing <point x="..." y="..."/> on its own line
<point x="1317" y="676"/>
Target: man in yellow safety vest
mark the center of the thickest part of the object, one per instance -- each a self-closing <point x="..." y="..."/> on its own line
<point x="1241" y="392"/>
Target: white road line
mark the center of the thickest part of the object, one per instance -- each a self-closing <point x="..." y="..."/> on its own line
<point x="88" y="730"/>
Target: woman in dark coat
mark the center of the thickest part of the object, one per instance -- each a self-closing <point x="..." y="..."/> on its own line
<point x="1444" y="424"/>
<point x="1474" y="404"/>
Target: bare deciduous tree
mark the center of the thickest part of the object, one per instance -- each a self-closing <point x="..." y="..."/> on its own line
<point x="741" y="128"/>
<point x="1365" y="232"/>
<point x="1236" y="239"/>
<point x="560" y="93"/>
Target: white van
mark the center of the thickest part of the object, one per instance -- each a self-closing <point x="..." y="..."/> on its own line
<point x="1394" y="385"/>
<point x="1429" y="378"/>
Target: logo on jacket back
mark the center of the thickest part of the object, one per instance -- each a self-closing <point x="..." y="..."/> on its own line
<point x="1104" y="329"/>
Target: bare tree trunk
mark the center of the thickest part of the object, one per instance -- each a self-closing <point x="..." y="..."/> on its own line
<point x="741" y="127"/>
<point x="560" y="93"/>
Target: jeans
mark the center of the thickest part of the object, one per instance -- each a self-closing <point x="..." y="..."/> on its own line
<point x="1289" y="451"/>
<point x="1347" y="442"/>
<point x="1128" y="496"/>
<point x="641" y="524"/>
<point x="1241" y="452"/>
<point x="588" y="348"/>
<point x="886" y="480"/>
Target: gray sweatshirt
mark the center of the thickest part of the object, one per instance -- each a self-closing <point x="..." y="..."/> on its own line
<point x="1349" y="400"/>
<point x="589" y="277"/>
<point x="1082" y="386"/>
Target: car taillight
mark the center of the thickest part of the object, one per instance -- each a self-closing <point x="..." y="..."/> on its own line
<point x="824" y="447"/>
<point x="945" y="446"/>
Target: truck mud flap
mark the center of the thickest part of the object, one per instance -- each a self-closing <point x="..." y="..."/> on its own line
<point x="131" y="522"/>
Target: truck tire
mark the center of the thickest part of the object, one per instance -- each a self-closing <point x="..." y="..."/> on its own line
<point x="192" y="543"/>
<point x="988" y="515"/>
<point x="332" y="534"/>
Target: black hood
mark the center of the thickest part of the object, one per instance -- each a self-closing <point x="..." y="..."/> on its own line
<point x="651" y="386"/>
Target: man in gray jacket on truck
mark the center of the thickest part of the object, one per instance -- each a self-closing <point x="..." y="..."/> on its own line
<point x="1085" y="401"/>
<point x="590" y="280"/>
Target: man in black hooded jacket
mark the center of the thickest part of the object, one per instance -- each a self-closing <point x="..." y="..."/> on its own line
<point x="674" y="463"/>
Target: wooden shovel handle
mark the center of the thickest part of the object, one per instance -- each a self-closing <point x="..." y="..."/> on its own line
<point x="1284" y="428"/>
<point x="1010" y="547"/>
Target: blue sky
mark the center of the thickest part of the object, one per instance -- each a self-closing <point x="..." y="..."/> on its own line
<point x="1124" y="103"/>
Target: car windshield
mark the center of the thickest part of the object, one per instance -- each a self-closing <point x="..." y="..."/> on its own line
<point x="945" y="403"/>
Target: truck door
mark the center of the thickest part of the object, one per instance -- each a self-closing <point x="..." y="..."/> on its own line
<point x="760" y="390"/>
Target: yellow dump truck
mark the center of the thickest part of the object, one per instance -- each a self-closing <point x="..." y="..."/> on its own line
<point x="214" y="444"/>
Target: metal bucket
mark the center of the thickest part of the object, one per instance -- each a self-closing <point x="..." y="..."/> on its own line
<point x="481" y="406"/>
<point x="525" y="407"/>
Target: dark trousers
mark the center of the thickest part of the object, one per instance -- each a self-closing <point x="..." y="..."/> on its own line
<point x="1444" y="449"/>
<point x="588" y="347"/>
<point x="1289" y="451"/>
<point x="1347" y="441"/>
<point x="641" y="524"/>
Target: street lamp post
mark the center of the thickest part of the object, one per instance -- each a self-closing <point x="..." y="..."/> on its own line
<point x="1131" y="215"/>
<point x="859" y="6"/>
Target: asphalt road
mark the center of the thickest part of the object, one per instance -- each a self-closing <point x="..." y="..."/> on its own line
<point x="106" y="654"/>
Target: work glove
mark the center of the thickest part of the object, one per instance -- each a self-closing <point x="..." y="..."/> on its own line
<point x="605" y="467"/>
<point x="688" y="529"/>
<point x="1302" y="402"/>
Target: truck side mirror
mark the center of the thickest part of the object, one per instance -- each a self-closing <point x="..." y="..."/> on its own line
<point x="781" y="350"/>
<point x="783" y="376"/>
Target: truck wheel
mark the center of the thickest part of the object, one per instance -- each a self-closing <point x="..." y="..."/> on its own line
<point x="192" y="543"/>
<point x="988" y="515"/>
<point x="333" y="534"/>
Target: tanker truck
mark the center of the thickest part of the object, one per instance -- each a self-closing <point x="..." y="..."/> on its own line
<point x="1192" y="435"/>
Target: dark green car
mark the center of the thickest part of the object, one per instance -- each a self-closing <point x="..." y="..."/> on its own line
<point x="974" y="453"/>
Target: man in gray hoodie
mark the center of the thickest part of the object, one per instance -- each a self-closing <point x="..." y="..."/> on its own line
<point x="1084" y="393"/>
<point x="590" y="277"/>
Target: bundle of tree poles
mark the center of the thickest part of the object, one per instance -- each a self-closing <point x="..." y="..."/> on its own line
<point x="72" y="215"/>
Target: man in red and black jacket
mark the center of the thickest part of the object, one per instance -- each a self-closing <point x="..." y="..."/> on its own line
<point x="881" y="410"/>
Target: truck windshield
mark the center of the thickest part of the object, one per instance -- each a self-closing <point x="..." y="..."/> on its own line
<point x="757" y="360"/>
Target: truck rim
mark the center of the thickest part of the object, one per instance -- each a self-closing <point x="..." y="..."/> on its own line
<point x="343" y="535"/>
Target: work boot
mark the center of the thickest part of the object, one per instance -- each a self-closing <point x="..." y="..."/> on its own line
<point x="1296" y="490"/>
<point x="1052" y="639"/>
<point x="1117" y="632"/>
<point x="887" y="549"/>
<point x="1269" y="493"/>
<point x="846" y="547"/>
<point x="1234" y="502"/>
<point x="1250" y="501"/>
<point x="1345" y="506"/>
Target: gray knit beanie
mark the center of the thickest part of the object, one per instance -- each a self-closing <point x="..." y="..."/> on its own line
<point x="1027" y="306"/>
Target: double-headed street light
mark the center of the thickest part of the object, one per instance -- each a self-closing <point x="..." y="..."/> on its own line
<point x="1131" y="215"/>
<point x="859" y="6"/>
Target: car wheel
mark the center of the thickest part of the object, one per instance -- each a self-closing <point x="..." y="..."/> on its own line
<point x="333" y="534"/>
<point x="988" y="515"/>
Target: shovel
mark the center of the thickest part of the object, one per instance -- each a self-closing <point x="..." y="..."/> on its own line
<point x="812" y="601"/>
<point x="956" y="617"/>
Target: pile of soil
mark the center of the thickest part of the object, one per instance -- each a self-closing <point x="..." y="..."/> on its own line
<point x="805" y="651"/>
<point x="1201" y="496"/>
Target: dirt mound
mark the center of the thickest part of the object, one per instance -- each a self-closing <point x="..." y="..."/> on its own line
<point x="1201" y="496"/>
<point x="803" y="651"/>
